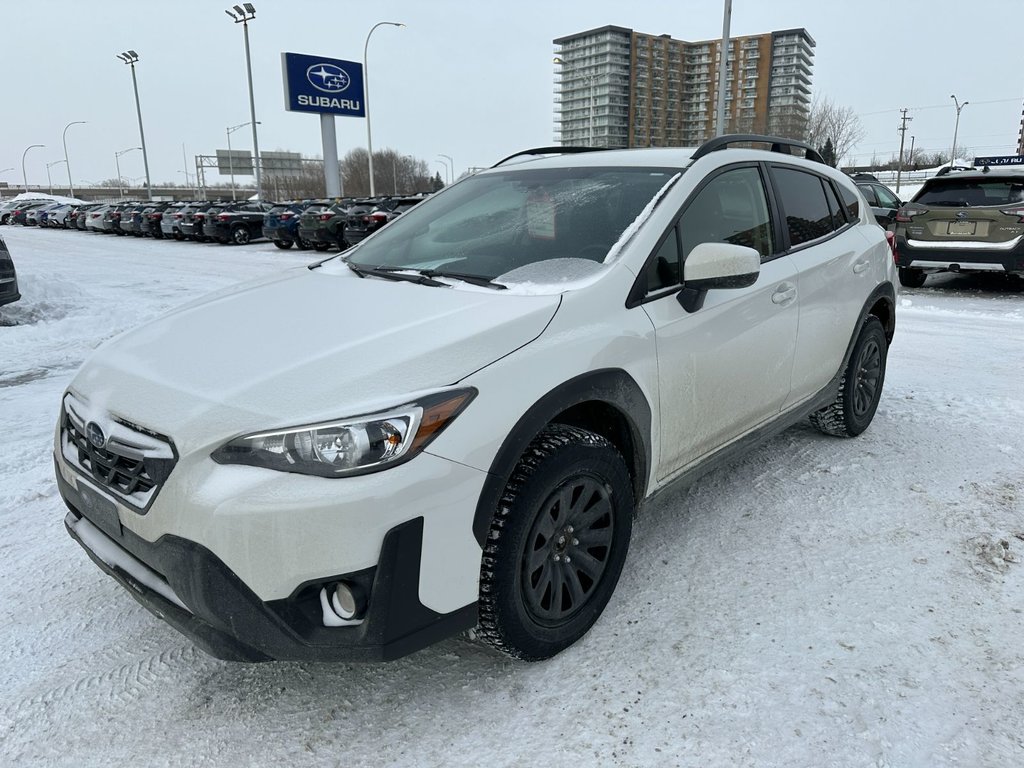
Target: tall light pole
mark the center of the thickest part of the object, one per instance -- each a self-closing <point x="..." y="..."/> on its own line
<point x="231" y="161"/>
<point x="24" y="175"/>
<point x="449" y="159"/>
<point x="48" y="167"/>
<point x="243" y="15"/>
<point x="449" y="171"/>
<point x="956" y="127"/>
<point x="130" y="57"/>
<point x="117" y="164"/>
<point x="723" y="68"/>
<point x="64" y="139"/>
<point x="366" y="93"/>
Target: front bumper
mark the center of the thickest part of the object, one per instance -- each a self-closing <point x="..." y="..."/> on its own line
<point x="962" y="259"/>
<point x="241" y="576"/>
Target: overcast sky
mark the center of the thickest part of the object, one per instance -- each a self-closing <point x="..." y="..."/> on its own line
<point x="470" y="79"/>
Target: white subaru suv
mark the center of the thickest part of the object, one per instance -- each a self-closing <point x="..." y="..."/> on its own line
<point x="454" y="425"/>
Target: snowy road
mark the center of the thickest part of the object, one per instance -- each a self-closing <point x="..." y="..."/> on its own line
<point x="820" y="603"/>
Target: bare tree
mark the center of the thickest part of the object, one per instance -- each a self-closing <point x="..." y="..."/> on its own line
<point x="827" y="120"/>
<point x="393" y="173"/>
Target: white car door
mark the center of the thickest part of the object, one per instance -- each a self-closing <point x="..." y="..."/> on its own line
<point x="726" y="367"/>
<point x="834" y="275"/>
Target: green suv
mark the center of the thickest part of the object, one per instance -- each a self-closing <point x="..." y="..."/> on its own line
<point x="322" y="225"/>
<point x="970" y="221"/>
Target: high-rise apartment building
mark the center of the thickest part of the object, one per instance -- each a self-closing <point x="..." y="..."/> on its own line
<point x="615" y="87"/>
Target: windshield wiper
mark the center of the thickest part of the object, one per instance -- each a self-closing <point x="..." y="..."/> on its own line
<point x="471" y="279"/>
<point x="396" y="273"/>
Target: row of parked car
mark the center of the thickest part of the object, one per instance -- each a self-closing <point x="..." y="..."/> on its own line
<point x="317" y="224"/>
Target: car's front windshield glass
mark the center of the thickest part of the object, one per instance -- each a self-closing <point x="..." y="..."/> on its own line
<point x="969" y="192"/>
<point x="493" y="223"/>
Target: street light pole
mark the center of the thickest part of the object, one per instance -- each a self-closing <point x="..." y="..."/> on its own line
<point x="117" y="164"/>
<point x="956" y="127"/>
<point x="366" y="94"/>
<point x="444" y="165"/>
<point x="449" y="159"/>
<point x="130" y="57"/>
<point x="723" y="68"/>
<point x="243" y="16"/>
<point x="24" y="175"/>
<point x="231" y="161"/>
<point x="48" y="167"/>
<point x="64" y="139"/>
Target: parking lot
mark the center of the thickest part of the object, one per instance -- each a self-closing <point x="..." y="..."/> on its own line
<point x="821" y="602"/>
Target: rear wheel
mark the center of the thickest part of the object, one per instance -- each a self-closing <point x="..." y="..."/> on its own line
<point x="240" y="236"/>
<point x="912" y="278"/>
<point x="860" y="389"/>
<point x="283" y="244"/>
<point x="301" y="244"/>
<point x="556" y="544"/>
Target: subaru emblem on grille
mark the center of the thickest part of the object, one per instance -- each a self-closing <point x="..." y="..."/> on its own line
<point x="95" y="434"/>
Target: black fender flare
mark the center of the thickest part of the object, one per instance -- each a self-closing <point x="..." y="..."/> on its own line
<point x="611" y="386"/>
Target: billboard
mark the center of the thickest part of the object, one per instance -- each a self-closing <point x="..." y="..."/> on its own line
<point x="323" y="86"/>
<point x="281" y="163"/>
<point x="239" y="162"/>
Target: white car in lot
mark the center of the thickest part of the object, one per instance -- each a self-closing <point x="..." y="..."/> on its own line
<point x="455" y="424"/>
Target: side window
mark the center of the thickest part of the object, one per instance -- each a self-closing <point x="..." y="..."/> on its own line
<point x="838" y="217"/>
<point x="663" y="270"/>
<point x="869" y="193"/>
<point x="852" y="202"/>
<point x="732" y="208"/>
<point x="886" y="199"/>
<point x="804" y="204"/>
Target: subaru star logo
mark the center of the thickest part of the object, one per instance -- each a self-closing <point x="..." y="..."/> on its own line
<point x="962" y="214"/>
<point x="328" y="78"/>
<point x="95" y="434"/>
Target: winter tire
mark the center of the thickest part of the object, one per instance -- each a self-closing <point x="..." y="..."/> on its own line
<point x="556" y="544"/>
<point x="301" y="244"/>
<point x="240" y="236"/>
<point x="283" y="244"/>
<point x="912" y="278"/>
<point x="861" y="386"/>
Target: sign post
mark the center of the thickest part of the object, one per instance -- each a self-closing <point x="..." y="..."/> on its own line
<point x="327" y="87"/>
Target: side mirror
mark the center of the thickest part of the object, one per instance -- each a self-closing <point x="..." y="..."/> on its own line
<point x="717" y="265"/>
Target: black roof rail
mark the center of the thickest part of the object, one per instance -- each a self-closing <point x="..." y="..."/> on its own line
<point x="549" y="151"/>
<point x="777" y="145"/>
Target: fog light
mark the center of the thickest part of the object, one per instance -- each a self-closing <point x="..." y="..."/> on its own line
<point x="344" y="601"/>
<point x="342" y="604"/>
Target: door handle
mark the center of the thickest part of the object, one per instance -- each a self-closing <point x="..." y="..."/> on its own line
<point x="784" y="294"/>
<point x="861" y="265"/>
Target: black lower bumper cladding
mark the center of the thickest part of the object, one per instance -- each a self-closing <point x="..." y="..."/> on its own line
<point x="227" y="620"/>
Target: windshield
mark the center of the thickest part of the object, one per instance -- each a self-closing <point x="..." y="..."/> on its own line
<point x="493" y="223"/>
<point x="961" y="192"/>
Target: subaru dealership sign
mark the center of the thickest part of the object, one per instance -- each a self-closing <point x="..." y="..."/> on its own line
<point x="323" y="86"/>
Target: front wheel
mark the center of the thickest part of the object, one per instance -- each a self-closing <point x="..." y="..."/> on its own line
<point x="556" y="544"/>
<point x="912" y="278"/>
<point x="284" y="245"/>
<point x="860" y="389"/>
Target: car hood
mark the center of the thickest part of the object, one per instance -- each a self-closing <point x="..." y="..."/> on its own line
<point x="297" y="348"/>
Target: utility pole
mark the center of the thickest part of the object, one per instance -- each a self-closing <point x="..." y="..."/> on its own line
<point x="903" y="135"/>
<point x="723" y="68"/>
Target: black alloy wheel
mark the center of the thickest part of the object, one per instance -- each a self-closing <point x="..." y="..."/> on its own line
<point x="556" y="545"/>
<point x="240" y="236"/>
<point x="860" y="388"/>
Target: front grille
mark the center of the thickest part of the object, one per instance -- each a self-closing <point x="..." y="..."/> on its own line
<point x="131" y="464"/>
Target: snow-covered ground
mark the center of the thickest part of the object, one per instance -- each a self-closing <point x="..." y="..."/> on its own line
<point x="822" y="602"/>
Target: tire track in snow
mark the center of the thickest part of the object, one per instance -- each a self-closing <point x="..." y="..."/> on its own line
<point x="122" y="684"/>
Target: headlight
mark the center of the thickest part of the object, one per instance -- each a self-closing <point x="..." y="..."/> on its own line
<point x="352" y="446"/>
